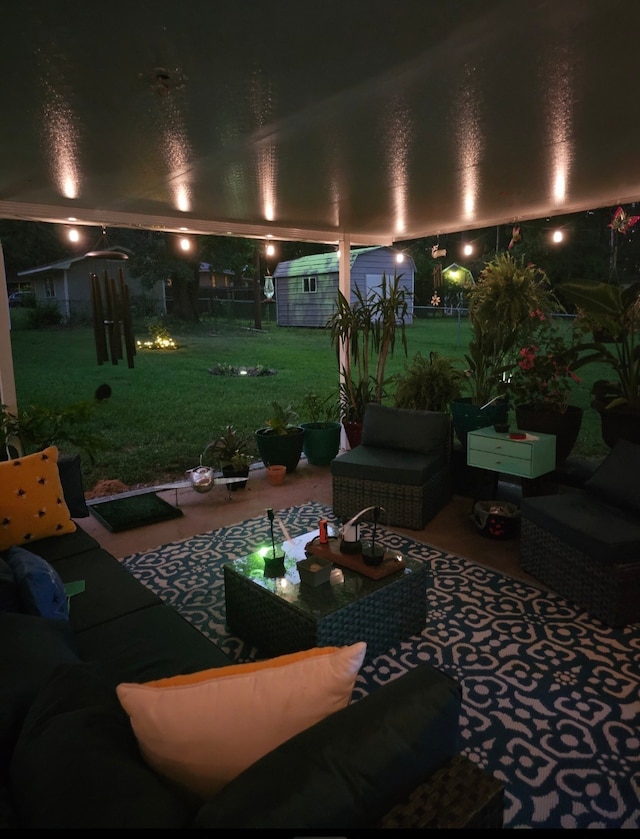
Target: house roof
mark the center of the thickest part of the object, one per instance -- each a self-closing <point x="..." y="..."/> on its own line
<point x="63" y="265"/>
<point x="380" y="122"/>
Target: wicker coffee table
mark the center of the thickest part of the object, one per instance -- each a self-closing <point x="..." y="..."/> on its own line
<point x="280" y="615"/>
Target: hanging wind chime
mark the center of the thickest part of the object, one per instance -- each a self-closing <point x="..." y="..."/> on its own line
<point x="111" y="307"/>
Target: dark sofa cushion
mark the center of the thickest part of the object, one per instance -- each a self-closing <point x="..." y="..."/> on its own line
<point x="72" y="486"/>
<point x="149" y="644"/>
<point x="32" y="648"/>
<point x="616" y="479"/>
<point x="405" y="429"/>
<point x="110" y="590"/>
<point x="349" y="769"/>
<point x="588" y="524"/>
<point x="76" y="763"/>
<point x="53" y="548"/>
<point x="9" y="595"/>
<point x="390" y="466"/>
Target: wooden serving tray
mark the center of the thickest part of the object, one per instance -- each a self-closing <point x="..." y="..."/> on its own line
<point x="354" y="562"/>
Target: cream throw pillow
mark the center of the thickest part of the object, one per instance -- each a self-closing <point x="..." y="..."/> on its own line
<point x="203" y="730"/>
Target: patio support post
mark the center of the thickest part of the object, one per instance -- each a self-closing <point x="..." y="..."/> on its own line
<point x="7" y="377"/>
<point x="344" y="285"/>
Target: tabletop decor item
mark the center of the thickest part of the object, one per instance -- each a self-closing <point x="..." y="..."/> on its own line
<point x="273" y="557"/>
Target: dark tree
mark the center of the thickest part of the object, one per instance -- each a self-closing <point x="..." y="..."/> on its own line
<point x="159" y="259"/>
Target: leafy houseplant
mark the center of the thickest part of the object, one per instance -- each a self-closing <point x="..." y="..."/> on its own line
<point x="501" y="304"/>
<point x="364" y="336"/>
<point x="543" y="377"/>
<point x="502" y="307"/>
<point x="37" y="427"/>
<point x="322" y="432"/>
<point x="428" y="384"/>
<point x="280" y="440"/>
<point x="615" y="310"/>
<point x="541" y="385"/>
<point x="231" y="452"/>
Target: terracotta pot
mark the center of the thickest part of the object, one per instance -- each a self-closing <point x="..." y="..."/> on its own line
<point x="565" y="426"/>
<point x="276" y="474"/>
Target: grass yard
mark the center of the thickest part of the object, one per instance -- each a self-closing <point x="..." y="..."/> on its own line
<point x="162" y="413"/>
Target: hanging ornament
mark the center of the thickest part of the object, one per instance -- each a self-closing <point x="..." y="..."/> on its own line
<point x="269" y="290"/>
<point x="515" y="237"/>
<point x="622" y="222"/>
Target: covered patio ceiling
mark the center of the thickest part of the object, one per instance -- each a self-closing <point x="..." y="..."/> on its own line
<point x="375" y="121"/>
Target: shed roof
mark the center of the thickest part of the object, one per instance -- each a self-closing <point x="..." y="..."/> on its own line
<point x="320" y="263"/>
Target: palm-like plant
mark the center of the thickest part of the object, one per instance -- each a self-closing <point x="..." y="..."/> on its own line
<point x="365" y="333"/>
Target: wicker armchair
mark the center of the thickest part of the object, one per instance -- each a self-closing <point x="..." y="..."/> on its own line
<point x="402" y="464"/>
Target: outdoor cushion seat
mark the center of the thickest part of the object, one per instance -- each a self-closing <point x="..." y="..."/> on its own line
<point x="392" y="466"/>
<point x="403" y="464"/>
<point x="586" y="544"/>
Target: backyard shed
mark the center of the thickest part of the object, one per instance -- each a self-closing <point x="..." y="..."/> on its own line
<point x="67" y="283"/>
<point x="306" y="289"/>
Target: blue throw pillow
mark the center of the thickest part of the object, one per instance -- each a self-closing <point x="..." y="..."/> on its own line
<point x="39" y="585"/>
<point x="9" y="597"/>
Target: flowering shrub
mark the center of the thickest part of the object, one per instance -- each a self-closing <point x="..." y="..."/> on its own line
<point x="543" y="377"/>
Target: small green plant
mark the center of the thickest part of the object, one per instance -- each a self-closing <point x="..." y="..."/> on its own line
<point x="283" y="419"/>
<point x="231" y="448"/>
<point x="428" y="384"/>
<point x="38" y="427"/>
<point x="321" y="410"/>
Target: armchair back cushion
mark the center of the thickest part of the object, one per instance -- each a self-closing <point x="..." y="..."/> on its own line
<point x="405" y="429"/>
<point x="616" y="481"/>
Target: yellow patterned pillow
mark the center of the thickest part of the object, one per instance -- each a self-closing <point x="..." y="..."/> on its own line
<point x="32" y="503"/>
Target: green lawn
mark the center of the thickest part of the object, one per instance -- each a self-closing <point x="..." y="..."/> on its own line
<point x="163" y="412"/>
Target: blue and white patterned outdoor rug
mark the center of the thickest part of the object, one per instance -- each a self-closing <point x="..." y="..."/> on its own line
<point x="551" y="701"/>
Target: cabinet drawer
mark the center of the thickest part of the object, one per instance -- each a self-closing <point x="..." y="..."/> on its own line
<point x="500" y="446"/>
<point x="499" y="462"/>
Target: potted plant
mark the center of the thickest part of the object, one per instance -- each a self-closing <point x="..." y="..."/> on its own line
<point x="322" y="432"/>
<point x="230" y="451"/>
<point x="364" y="335"/>
<point x="613" y="310"/>
<point x="501" y="305"/>
<point x="36" y="427"/>
<point x="280" y="440"/>
<point x="428" y="384"/>
<point x="541" y="385"/>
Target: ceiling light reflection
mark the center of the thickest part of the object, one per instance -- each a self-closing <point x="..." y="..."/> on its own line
<point x="470" y="144"/>
<point x="559" y="69"/>
<point x="62" y="143"/>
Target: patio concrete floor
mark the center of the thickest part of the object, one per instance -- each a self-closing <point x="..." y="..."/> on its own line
<point x="451" y="530"/>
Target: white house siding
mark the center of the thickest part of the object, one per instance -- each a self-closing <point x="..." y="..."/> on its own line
<point x="68" y="285"/>
<point x="296" y="307"/>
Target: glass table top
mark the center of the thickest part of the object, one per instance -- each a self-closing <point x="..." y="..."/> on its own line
<point x="282" y="579"/>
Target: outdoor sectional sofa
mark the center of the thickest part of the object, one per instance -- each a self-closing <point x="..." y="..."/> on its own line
<point x="70" y="756"/>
